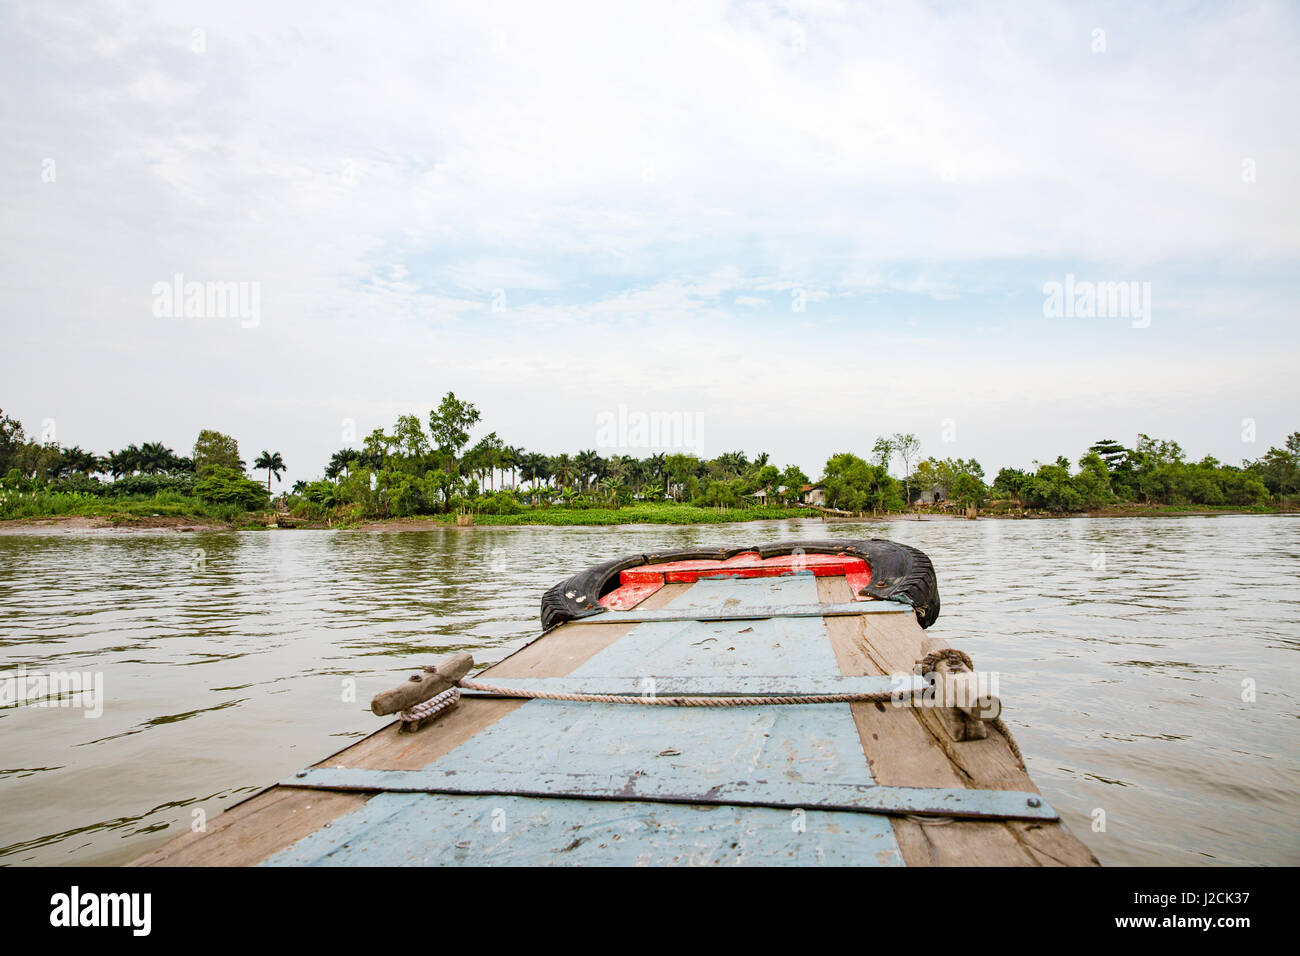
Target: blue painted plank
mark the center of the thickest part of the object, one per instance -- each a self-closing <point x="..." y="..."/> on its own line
<point x="696" y="748"/>
<point x="798" y="647"/>
<point x="791" y="750"/>
<point x="746" y="612"/>
<point x="395" y="829"/>
<point x="726" y="593"/>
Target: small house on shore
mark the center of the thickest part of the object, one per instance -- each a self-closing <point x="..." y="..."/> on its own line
<point x="936" y="494"/>
<point x="762" y="496"/>
<point x="813" y="495"/>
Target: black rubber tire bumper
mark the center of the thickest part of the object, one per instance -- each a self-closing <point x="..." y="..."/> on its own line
<point x="899" y="572"/>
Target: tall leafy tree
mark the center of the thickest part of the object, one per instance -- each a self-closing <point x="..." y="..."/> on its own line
<point x="410" y="438"/>
<point x="12" y="440"/>
<point x="449" y="424"/>
<point x="680" y="468"/>
<point x="657" y="469"/>
<point x="883" y="452"/>
<point x="850" y="482"/>
<point x="792" y="479"/>
<point x="212" y="449"/>
<point x="908" y="448"/>
<point x="1279" y="469"/>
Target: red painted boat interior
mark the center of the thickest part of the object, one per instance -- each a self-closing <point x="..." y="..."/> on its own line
<point x="637" y="584"/>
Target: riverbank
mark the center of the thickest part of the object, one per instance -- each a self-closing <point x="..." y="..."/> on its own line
<point x="573" y="517"/>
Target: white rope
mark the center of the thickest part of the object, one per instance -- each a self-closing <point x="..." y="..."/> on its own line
<point x="431" y="706"/>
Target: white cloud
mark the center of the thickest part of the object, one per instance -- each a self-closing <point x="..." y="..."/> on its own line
<point x="636" y="180"/>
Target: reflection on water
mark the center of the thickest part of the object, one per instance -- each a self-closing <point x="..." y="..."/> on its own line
<point x="231" y="660"/>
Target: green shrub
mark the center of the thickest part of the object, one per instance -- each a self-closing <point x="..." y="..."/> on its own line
<point x="130" y="486"/>
<point x="226" y="486"/>
<point x="498" y="503"/>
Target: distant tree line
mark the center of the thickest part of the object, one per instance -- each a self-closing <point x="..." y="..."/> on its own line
<point x="428" y="466"/>
<point x="213" y="472"/>
<point x="409" y="470"/>
<point x="1154" y="472"/>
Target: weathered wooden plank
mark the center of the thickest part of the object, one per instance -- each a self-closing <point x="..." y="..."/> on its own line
<point x="519" y="831"/>
<point x="899" y="749"/>
<point x="959" y="843"/>
<point x="1052" y="844"/>
<point x="255" y="828"/>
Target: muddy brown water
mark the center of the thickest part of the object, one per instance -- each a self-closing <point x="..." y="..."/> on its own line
<point x="1148" y="666"/>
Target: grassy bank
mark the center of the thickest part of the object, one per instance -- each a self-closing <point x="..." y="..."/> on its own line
<point x="39" y="505"/>
<point x="1134" y="510"/>
<point x="46" y="505"/>
<point x="632" y="514"/>
<point x="169" y="509"/>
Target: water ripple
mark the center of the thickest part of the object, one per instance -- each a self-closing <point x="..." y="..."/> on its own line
<point x="1127" y="652"/>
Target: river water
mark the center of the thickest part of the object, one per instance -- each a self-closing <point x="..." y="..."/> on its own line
<point x="1148" y="666"/>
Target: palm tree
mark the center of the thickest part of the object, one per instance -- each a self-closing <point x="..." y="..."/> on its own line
<point x="587" y="464"/>
<point x="484" y="459"/>
<point x="155" y="457"/>
<point x="616" y="468"/>
<point x="341" y="462"/>
<point x="610" y="486"/>
<point x="73" y="461"/>
<point x="299" y="486"/>
<point x="124" y="462"/>
<point x="638" y="473"/>
<point x="273" y="464"/>
<point x="733" y="463"/>
<point x="563" y="469"/>
<point x="534" y="468"/>
<point x="514" y="460"/>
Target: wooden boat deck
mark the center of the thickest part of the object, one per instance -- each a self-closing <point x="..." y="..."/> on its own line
<point x="874" y="744"/>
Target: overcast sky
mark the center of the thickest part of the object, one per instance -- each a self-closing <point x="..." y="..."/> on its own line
<point x="801" y="225"/>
